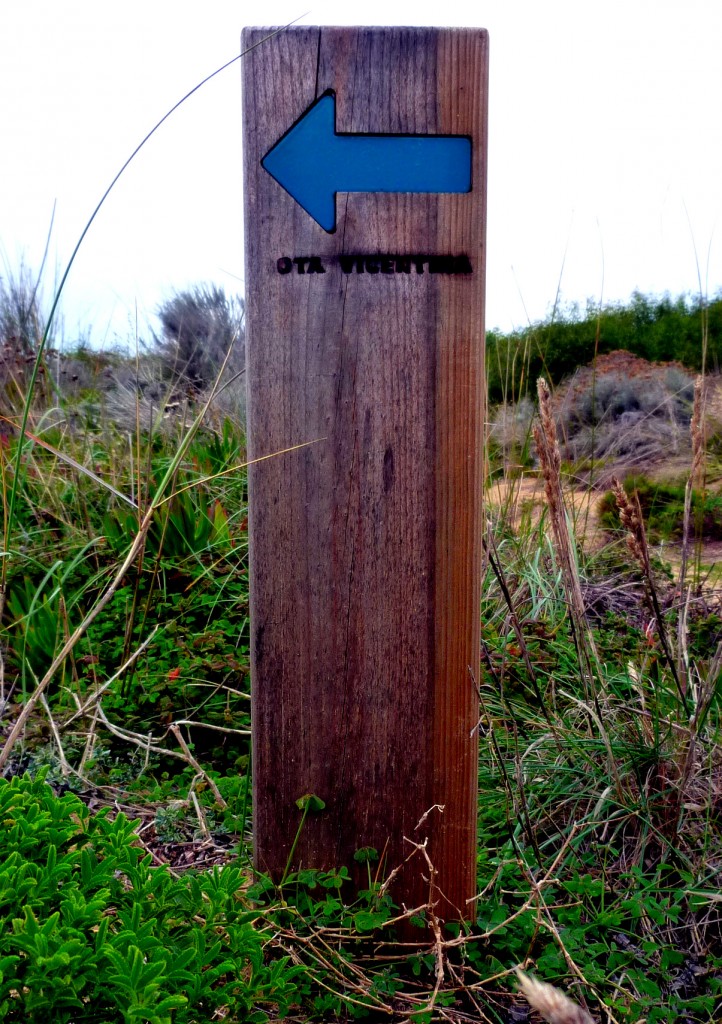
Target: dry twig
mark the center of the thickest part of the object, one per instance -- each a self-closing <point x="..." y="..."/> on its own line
<point x="194" y="764"/>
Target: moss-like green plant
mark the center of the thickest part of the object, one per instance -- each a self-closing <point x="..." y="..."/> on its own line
<point x="90" y="930"/>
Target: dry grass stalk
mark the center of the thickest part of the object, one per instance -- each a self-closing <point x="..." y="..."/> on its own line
<point x="630" y="515"/>
<point x="696" y="476"/>
<point x="492" y="553"/>
<point x="100" y="690"/>
<point x="64" y="766"/>
<point x="192" y="761"/>
<point x="697" y="429"/>
<point x="70" y="643"/>
<point x="202" y="820"/>
<point x="550" y="1002"/>
<point x="547" y="446"/>
<point x="696" y="473"/>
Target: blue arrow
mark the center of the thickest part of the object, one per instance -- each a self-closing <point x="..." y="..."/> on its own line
<point x="312" y="162"/>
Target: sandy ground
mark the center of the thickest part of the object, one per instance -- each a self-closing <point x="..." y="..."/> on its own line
<point x="524" y="496"/>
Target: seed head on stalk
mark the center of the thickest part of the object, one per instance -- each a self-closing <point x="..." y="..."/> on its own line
<point x="550" y="1002"/>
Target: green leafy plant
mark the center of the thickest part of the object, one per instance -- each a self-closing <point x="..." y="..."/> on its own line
<point x="662" y="505"/>
<point x="89" y="929"/>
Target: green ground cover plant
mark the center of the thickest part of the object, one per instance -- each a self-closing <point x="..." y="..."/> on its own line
<point x="90" y="930"/>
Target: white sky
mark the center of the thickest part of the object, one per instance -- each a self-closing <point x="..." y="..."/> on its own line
<point x="605" y="161"/>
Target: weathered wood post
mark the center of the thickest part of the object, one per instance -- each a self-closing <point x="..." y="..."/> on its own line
<point x="365" y="168"/>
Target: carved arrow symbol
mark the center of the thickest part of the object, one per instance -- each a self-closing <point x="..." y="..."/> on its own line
<point x="312" y="162"/>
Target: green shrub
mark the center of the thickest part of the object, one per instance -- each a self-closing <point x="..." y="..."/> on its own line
<point x="625" y="408"/>
<point x="659" y="329"/>
<point x="89" y="931"/>
<point x="662" y="507"/>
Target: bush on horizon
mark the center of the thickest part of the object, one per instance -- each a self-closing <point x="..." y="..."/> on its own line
<point x="660" y="329"/>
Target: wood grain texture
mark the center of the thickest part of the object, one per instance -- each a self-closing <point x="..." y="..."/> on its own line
<point x="365" y="545"/>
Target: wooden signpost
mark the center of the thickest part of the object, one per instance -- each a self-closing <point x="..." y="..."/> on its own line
<point x="365" y="168"/>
